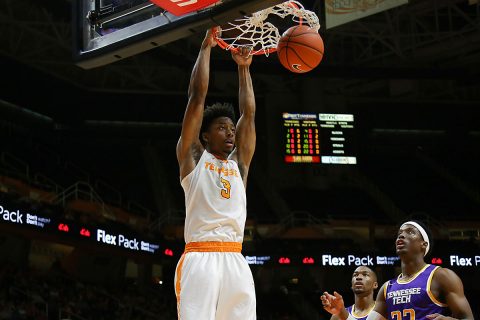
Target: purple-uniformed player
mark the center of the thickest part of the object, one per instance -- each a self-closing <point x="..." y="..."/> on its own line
<point x="364" y="283"/>
<point x="421" y="291"/>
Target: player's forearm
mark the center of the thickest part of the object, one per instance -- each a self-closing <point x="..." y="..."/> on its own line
<point x="245" y="92"/>
<point x="200" y="74"/>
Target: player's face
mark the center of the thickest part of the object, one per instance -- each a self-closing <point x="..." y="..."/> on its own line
<point x="409" y="241"/>
<point x="363" y="280"/>
<point x="221" y="136"/>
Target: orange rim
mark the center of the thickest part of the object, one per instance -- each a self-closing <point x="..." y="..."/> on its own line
<point x="225" y="46"/>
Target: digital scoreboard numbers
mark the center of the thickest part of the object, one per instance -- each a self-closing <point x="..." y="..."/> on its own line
<point x="302" y="137"/>
<point x="319" y="138"/>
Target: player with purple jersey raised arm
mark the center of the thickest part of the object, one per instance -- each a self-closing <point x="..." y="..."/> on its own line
<point x="421" y="291"/>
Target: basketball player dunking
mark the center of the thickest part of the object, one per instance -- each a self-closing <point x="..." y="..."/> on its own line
<point x="421" y="291"/>
<point x="364" y="283"/>
<point x="213" y="280"/>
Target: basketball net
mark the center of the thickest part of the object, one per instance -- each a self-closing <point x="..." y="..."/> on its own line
<point x="259" y="35"/>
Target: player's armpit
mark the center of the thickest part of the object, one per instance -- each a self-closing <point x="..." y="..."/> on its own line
<point x="380" y="310"/>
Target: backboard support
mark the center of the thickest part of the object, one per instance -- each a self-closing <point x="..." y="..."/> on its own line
<point x="104" y="35"/>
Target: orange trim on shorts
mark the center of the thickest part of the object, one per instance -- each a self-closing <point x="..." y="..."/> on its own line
<point x="213" y="246"/>
<point x="177" y="284"/>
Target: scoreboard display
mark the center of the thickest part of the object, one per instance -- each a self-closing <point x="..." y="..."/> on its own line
<point x="319" y="138"/>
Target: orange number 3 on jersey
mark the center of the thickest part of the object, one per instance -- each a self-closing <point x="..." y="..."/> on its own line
<point x="226" y="188"/>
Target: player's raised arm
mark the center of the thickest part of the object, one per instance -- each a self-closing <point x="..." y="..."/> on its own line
<point x="451" y="287"/>
<point x="245" y="135"/>
<point x="189" y="142"/>
<point x="334" y="305"/>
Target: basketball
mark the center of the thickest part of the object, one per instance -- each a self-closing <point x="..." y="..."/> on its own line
<point x="300" y="49"/>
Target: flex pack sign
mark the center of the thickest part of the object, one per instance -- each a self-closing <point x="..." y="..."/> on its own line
<point x="120" y="240"/>
<point x="18" y="217"/>
<point x="257" y="259"/>
<point x="464" y="261"/>
<point x="12" y="215"/>
<point x="387" y="260"/>
<point x="181" y="7"/>
<point x="348" y="260"/>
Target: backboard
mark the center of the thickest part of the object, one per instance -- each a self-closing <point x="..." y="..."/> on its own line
<point x="106" y="31"/>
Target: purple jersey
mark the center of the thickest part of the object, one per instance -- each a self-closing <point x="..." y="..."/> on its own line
<point x="412" y="299"/>
<point x="351" y="311"/>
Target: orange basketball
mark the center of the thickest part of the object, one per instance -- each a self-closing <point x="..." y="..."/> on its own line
<point x="300" y="49"/>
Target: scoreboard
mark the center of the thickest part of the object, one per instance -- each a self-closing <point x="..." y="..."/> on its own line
<point x="319" y="138"/>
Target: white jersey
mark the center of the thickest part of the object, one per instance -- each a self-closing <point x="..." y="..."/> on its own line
<point x="215" y="200"/>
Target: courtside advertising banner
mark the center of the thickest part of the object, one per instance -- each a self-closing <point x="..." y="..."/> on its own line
<point x="181" y="7"/>
<point x="338" y="12"/>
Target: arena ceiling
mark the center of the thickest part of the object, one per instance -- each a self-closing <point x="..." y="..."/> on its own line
<point x="413" y="71"/>
<point x="426" y="51"/>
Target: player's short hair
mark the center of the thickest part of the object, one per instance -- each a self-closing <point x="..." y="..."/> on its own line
<point x="215" y="111"/>
<point x="371" y="271"/>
